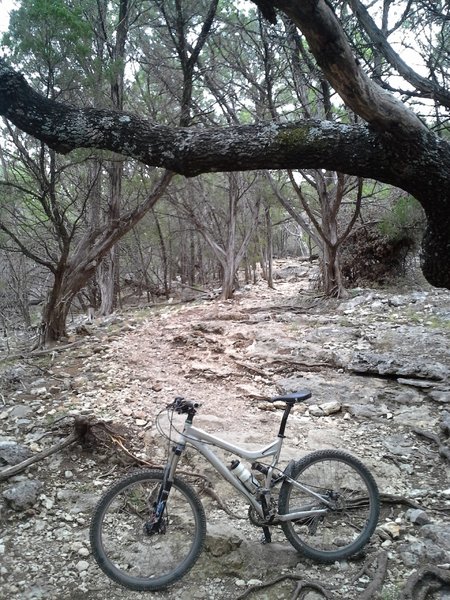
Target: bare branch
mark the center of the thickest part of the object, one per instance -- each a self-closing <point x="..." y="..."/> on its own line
<point x="329" y="44"/>
<point x="429" y="88"/>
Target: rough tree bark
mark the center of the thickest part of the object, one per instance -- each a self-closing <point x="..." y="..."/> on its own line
<point x="394" y="147"/>
<point x="76" y="271"/>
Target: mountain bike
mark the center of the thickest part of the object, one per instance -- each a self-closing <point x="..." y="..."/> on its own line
<point x="149" y="528"/>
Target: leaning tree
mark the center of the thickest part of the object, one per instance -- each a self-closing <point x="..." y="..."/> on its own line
<point x="391" y="143"/>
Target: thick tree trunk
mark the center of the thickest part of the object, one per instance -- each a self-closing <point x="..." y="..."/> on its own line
<point x="109" y="269"/>
<point x="106" y="278"/>
<point x="54" y="314"/>
<point x="73" y="274"/>
<point x="331" y="273"/>
<point x="331" y="269"/>
<point x="330" y="47"/>
<point x="436" y="248"/>
<point x="69" y="281"/>
<point x="228" y="281"/>
<point x="229" y="264"/>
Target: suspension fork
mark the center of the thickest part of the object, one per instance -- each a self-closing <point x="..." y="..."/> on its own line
<point x="156" y="524"/>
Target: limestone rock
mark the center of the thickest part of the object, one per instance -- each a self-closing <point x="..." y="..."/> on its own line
<point x="12" y="453"/>
<point x="22" y="495"/>
<point x="395" y="365"/>
<point x="331" y="407"/>
<point x="418" y="516"/>
<point x="315" y="410"/>
<point x="442" y="396"/>
<point x="219" y="542"/>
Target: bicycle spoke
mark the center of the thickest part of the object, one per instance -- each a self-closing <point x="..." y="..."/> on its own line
<point x="135" y="553"/>
<point x="350" y="499"/>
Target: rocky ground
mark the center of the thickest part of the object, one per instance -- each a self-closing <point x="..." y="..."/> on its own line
<point x="378" y="365"/>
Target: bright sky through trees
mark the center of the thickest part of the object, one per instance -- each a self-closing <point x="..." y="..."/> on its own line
<point x="5" y="8"/>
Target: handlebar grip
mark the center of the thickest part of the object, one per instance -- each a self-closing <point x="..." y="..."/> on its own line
<point x="183" y="406"/>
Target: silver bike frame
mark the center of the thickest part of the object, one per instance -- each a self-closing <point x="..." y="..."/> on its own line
<point x="201" y="440"/>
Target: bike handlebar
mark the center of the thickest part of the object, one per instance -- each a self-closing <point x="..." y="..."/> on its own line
<point x="182" y="406"/>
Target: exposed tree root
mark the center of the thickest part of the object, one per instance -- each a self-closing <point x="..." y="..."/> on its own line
<point x="378" y="577"/>
<point x="252" y="368"/>
<point x="424" y="581"/>
<point x="85" y="430"/>
<point x="304" y="586"/>
<point x="290" y="363"/>
<point x="209" y="490"/>
<point x="419" y="585"/>
<point x="394" y="499"/>
<point x="443" y="450"/>
<point x="118" y="441"/>
<point x="81" y="429"/>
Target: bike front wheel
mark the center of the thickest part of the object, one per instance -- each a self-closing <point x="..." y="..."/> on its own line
<point x="340" y="485"/>
<point x="129" y="550"/>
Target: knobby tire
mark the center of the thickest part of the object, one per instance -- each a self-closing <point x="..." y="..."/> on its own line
<point x="346" y="528"/>
<point x="122" y="547"/>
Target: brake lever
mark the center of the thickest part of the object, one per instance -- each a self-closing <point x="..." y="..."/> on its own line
<point x="180" y="405"/>
<point x="177" y="404"/>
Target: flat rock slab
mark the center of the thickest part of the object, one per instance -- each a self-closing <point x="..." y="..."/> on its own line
<point x="23" y="495"/>
<point x="12" y="453"/>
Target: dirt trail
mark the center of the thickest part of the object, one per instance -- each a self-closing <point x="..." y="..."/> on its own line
<point x="230" y="356"/>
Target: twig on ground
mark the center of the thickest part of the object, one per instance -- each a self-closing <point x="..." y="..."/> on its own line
<point x="108" y="473"/>
<point x="141" y="461"/>
<point x="211" y="492"/>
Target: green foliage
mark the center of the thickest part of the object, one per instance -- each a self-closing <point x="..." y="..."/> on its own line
<point x="405" y="218"/>
<point x="49" y="38"/>
<point x="369" y="257"/>
<point x="382" y="250"/>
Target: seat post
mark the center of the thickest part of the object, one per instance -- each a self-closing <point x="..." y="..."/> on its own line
<point x="284" y="419"/>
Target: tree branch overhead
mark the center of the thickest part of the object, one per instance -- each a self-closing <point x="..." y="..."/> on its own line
<point x="393" y="145"/>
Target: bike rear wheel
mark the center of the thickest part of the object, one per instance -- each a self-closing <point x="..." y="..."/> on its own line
<point x="347" y="485"/>
<point x="119" y="536"/>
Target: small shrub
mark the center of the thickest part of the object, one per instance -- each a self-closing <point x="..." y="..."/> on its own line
<point x="382" y="251"/>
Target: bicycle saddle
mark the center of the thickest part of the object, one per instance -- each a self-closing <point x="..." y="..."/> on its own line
<point x="293" y="398"/>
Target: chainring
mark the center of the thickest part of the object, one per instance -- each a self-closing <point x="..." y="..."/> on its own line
<point x="258" y="521"/>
